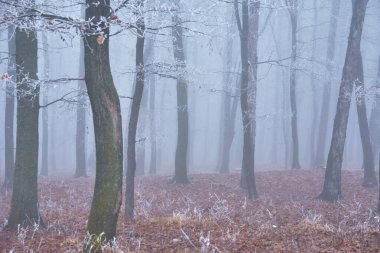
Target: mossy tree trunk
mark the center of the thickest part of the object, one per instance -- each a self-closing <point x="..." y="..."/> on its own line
<point x="133" y="120"/>
<point x="332" y="183"/>
<point x="105" y="106"/>
<point x="325" y="109"/>
<point x="180" y="174"/>
<point x="9" y="113"/>
<point x="24" y="205"/>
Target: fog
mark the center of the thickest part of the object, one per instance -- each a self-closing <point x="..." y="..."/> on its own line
<point x="205" y="41"/>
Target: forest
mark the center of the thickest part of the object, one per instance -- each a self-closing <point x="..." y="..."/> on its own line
<point x="189" y="126"/>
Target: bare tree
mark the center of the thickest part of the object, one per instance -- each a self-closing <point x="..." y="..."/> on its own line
<point x="326" y="97"/>
<point x="9" y="112"/>
<point x="374" y="122"/>
<point x="351" y="74"/>
<point x="105" y="106"/>
<point x="24" y="208"/>
<point x="45" y="114"/>
<point x="229" y="106"/>
<point x="248" y="31"/>
<point x="180" y="175"/>
<point x="134" y="116"/>
<point x="368" y="161"/>
<point x="80" y="138"/>
<point x="293" y="11"/>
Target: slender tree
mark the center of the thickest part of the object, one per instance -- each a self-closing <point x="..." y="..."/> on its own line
<point x="9" y="112"/>
<point x="45" y="114"/>
<point x="80" y="147"/>
<point x="152" y="124"/>
<point x="180" y="175"/>
<point x="374" y="123"/>
<point x="352" y="66"/>
<point x="105" y="106"/>
<point x="313" y="126"/>
<point x="293" y="11"/>
<point x="368" y="161"/>
<point x="24" y="205"/>
<point x="326" y="97"/>
<point x="248" y="31"/>
<point x="229" y="107"/>
<point x="134" y="116"/>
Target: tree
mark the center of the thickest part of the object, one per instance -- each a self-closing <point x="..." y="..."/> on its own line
<point x="134" y="116"/>
<point x="9" y="112"/>
<point x="152" y="123"/>
<point x="293" y="12"/>
<point x="374" y="122"/>
<point x="368" y="161"/>
<point x="229" y="107"/>
<point x="24" y="208"/>
<point x="45" y="115"/>
<point x="326" y="97"/>
<point x="105" y="107"/>
<point x="313" y="126"/>
<point x="352" y="66"/>
<point x="180" y="175"/>
<point x="141" y="131"/>
<point x="248" y="31"/>
<point x="80" y="146"/>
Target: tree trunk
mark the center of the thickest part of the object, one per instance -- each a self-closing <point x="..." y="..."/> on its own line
<point x="313" y="126"/>
<point x="332" y="183"/>
<point x="45" y="116"/>
<point x="105" y="106"/>
<point x="45" y="139"/>
<point x="374" y="122"/>
<point x="248" y="46"/>
<point x="24" y="206"/>
<point x="80" y="138"/>
<point x="133" y="120"/>
<point x="143" y="119"/>
<point x="226" y="107"/>
<point x="180" y="175"/>
<point x="368" y="161"/>
<point x="9" y="113"/>
<point x="293" y="79"/>
<point x="152" y="121"/>
<point x="229" y="132"/>
<point x="325" y="110"/>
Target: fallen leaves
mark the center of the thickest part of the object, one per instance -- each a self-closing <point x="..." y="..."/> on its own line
<point x="211" y="212"/>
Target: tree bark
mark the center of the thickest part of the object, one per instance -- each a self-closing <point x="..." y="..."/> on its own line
<point x="105" y="106"/>
<point x="24" y="207"/>
<point x="9" y="113"/>
<point x="332" y="183"/>
<point x="293" y="79"/>
<point x="134" y="116"/>
<point x="325" y="109"/>
<point x="80" y="138"/>
<point x="180" y="175"/>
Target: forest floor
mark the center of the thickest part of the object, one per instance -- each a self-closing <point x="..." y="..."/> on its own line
<point x="212" y="213"/>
